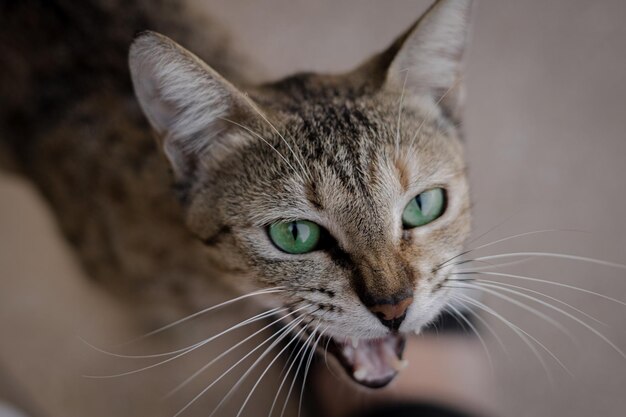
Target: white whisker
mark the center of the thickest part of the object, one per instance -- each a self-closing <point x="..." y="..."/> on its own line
<point x="326" y="358"/>
<point x="280" y="334"/>
<point x="267" y="368"/>
<point x="494" y="227"/>
<point x="553" y="255"/>
<point x="221" y="355"/>
<point x="543" y="281"/>
<point x="519" y="304"/>
<point x="419" y="128"/>
<point x="485" y="325"/>
<point x="400" y="113"/>
<point x="258" y="317"/>
<point x="247" y="129"/>
<point x="295" y="375"/>
<point x="260" y="113"/>
<point x="505" y="239"/>
<point x="498" y="283"/>
<point x="480" y="338"/>
<point x="206" y="310"/>
<point x="306" y="370"/>
<point x="290" y="363"/>
<point x="525" y="336"/>
<point x="565" y="313"/>
<point x="498" y="265"/>
<point x="183" y="353"/>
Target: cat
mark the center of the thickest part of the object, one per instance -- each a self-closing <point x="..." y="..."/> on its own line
<point x="333" y="201"/>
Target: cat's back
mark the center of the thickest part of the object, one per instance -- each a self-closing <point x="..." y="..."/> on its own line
<point x="55" y="54"/>
<point x="73" y="126"/>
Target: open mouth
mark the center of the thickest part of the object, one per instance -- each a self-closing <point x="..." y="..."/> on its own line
<point x="373" y="363"/>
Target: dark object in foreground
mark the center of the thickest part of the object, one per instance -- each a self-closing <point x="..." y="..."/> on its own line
<point x="413" y="410"/>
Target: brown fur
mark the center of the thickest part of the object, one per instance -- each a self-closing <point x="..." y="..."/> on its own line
<point x="95" y="160"/>
<point x="90" y="149"/>
<point x="347" y="151"/>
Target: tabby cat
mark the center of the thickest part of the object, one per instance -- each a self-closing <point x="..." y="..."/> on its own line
<point x="335" y="198"/>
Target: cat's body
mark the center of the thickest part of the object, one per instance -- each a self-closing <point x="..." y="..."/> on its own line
<point x="347" y="152"/>
<point x="79" y="135"/>
<point x="91" y="151"/>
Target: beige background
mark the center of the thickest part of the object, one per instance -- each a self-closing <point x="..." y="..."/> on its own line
<point x="545" y="123"/>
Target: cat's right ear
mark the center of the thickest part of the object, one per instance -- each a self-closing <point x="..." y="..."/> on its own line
<point x="186" y="102"/>
<point x="426" y="61"/>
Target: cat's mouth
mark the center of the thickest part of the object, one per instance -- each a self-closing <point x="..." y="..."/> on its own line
<point x="373" y="363"/>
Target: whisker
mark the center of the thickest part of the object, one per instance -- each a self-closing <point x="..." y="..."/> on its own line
<point x="444" y="95"/>
<point x="287" y="362"/>
<point x="457" y="313"/>
<point x="290" y="363"/>
<point x="486" y="325"/>
<point x="306" y="371"/>
<point x="505" y="239"/>
<point x="400" y="112"/>
<point x="280" y="334"/>
<point x="163" y="362"/>
<point x="326" y="358"/>
<point x="260" y="113"/>
<point x="494" y="227"/>
<point x="206" y="310"/>
<point x="550" y="255"/>
<point x="295" y="376"/>
<point x="525" y="336"/>
<point x="498" y="283"/>
<point x="489" y="265"/>
<point x="246" y="128"/>
<point x="258" y="317"/>
<point x="543" y="281"/>
<point x="221" y="355"/>
<point x="267" y="368"/>
<point x="521" y="305"/>
<point x="565" y="313"/>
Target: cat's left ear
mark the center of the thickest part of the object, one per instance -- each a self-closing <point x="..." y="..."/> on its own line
<point x="427" y="59"/>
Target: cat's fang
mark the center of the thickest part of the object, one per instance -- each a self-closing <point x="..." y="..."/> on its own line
<point x="355" y="342"/>
<point x="399" y="364"/>
<point x="360" y="374"/>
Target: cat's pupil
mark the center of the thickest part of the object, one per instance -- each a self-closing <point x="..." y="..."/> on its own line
<point x="293" y="229"/>
<point x="418" y="201"/>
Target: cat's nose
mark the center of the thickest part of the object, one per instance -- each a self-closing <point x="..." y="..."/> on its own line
<point x="391" y="312"/>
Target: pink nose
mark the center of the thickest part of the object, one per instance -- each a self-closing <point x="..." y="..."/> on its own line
<point x="389" y="312"/>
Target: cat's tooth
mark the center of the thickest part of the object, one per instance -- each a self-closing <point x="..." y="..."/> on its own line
<point x="399" y="365"/>
<point x="360" y="374"/>
<point x="355" y="342"/>
<point x="396" y="363"/>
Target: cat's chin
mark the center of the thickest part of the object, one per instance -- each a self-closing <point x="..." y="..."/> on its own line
<point x="373" y="363"/>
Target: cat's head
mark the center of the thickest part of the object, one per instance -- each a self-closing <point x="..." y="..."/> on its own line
<point x="346" y="191"/>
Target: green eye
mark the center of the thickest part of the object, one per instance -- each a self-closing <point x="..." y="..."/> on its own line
<point x="424" y="208"/>
<point x="297" y="237"/>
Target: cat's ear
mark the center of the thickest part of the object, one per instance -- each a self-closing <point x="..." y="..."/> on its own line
<point x="427" y="59"/>
<point x="186" y="102"/>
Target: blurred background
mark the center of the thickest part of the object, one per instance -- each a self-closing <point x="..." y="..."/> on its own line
<point x="546" y="145"/>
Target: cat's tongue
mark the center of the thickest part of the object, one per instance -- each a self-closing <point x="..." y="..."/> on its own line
<point x="372" y="362"/>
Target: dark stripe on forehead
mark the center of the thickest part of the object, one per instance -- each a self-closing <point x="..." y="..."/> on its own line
<point x="293" y="91"/>
<point x="313" y="196"/>
<point x="339" y="139"/>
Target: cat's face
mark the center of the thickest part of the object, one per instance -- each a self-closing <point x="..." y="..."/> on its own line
<point x="347" y="192"/>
